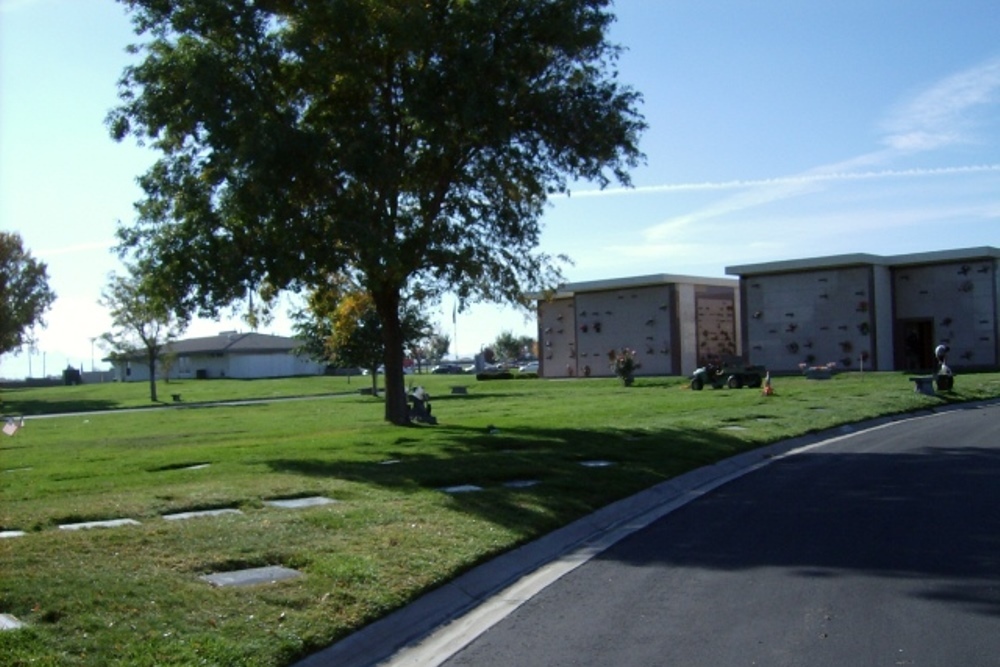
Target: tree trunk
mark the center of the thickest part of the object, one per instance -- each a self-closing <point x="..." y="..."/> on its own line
<point x="373" y="371"/>
<point x="396" y="409"/>
<point x="152" y="377"/>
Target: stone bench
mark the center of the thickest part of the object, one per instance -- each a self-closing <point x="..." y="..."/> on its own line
<point x="923" y="384"/>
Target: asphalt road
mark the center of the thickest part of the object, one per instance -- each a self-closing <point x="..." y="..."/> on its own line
<point x="882" y="548"/>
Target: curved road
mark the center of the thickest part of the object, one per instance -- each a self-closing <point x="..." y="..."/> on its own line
<point x="882" y="548"/>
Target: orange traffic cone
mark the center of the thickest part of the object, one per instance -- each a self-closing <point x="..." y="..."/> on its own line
<point x="768" y="390"/>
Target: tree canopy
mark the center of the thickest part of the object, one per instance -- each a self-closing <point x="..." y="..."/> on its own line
<point x="409" y="144"/>
<point x="340" y="325"/>
<point x="24" y="292"/>
<point x="509" y="346"/>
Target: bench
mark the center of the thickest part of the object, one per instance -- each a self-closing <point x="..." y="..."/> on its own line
<point x="923" y="384"/>
<point x="460" y="390"/>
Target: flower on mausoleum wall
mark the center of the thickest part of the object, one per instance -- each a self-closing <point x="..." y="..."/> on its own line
<point x="623" y="363"/>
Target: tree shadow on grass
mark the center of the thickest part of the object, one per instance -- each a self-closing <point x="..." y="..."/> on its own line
<point x="564" y="489"/>
<point x="13" y="405"/>
<point x="922" y="514"/>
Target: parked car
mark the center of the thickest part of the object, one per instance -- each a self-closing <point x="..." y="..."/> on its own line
<point x="447" y="369"/>
<point x="530" y="367"/>
<point x="407" y="370"/>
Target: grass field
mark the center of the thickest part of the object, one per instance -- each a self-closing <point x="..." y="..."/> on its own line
<point x="132" y="595"/>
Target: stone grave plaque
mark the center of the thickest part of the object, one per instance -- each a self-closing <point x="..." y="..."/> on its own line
<point x="251" y="577"/>
<point x="110" y="523"/>
<point x="298" y="503"/>
<point x="179" y="516"/>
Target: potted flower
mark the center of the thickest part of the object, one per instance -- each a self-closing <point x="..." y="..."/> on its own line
<point x="623" y="363"/>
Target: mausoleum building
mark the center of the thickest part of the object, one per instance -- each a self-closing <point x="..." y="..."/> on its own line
<point x="863" y="311"/>
<point x="673" y="323"/>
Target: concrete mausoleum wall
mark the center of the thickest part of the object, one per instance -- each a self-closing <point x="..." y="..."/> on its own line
<point x="887" y="313"/>
<point x="954" y="303"/>
<point x="673" y="323"/>
<point x="811" y="317"/>
<point x="639" y="318"/>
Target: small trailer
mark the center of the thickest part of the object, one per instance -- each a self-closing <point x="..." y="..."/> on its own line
<point x="733" y="373"/>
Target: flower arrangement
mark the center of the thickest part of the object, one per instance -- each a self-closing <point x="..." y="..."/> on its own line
<point x="821" y="372"/>
<point x="623" y="363"/>
<point x="830" y="366"/>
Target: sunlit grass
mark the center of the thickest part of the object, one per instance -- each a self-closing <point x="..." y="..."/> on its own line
<point x="132" y="595"/>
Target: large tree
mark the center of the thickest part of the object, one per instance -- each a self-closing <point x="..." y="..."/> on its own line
<point x="143" y="322"/>
<point x="24" y="292"/>
<point x="509" y="346"/>
<point x="411" y="143"/>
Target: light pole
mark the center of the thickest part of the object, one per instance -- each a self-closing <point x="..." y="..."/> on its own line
<point x="92" y="339"/>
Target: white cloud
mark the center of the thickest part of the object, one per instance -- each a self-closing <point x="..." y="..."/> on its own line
<point x="940" y="115"/>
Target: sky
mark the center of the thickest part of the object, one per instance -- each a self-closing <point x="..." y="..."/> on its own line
<point x="778" y="129"/>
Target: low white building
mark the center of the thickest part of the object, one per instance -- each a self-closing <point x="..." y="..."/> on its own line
<point x="227" y="355"/>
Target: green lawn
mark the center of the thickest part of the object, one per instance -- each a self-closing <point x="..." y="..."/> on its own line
<point x="132" y="595"/>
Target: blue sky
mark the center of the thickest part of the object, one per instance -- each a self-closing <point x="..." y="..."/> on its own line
<point x="779" y="129"/>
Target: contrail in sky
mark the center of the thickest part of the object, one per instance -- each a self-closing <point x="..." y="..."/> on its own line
<point x="79" y="247"/>
<point x="799" y="179"/>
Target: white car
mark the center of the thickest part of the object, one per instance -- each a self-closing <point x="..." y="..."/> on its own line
<point x="530" y="367"/>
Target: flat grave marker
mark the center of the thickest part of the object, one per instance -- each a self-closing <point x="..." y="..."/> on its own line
<point x="461" y="488"/>
<point x="521" y="483"/>
<point x="299" y="503"/>
<point x="110" y="523"/>
<point x="252" y="576"/>
<point x="180" y="516"/>
<point x="9" y="622"/>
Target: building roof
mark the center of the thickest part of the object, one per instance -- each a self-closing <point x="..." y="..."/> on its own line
<point x="569" y="289"/>
<point x="230" y="342"/>
<point x="864" y="259"/>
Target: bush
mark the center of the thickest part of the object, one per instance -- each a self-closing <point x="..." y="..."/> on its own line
<point x="504" y="375"/>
